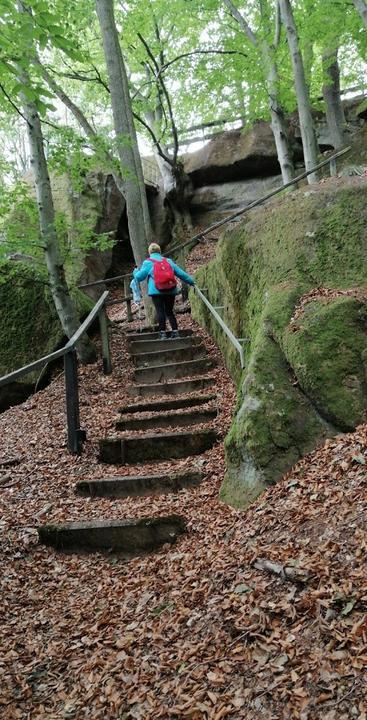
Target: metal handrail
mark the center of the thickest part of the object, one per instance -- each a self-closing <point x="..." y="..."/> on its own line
<point x="76" y="435"/>
<point x="196" y="238"/>
<point x="255" y="203"/>
<point x="37" y="364"/>
<point x="235" y="341"/>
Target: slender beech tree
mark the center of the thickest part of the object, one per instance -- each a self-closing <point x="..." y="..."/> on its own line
<point x="64" y="305"/>
<point x="127" y="146"/>
<point x="177" y="186"/>
<point x="309" y="142"/>
<point x="268" y="54"/>
<point x="361" y="7"/>
<point x="331" y="94"/>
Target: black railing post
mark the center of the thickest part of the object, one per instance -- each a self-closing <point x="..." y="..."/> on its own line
<point x="127" y="293"/>
<point x="106" y="355"/>
<point x="75" y="435"/>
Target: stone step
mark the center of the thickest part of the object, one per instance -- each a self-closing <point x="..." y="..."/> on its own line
<point x="138" y="485"/>
<point x="160" y="446"/>
<point x="168" y="355"/>
<point x="164" y="419"/>
<point x="134" y="336"/>
<point x="181" y="387"/>
<point x="142" y="346"/>
<point x="159" y="373"/>
<point x="129" y="536"/>
<point x="177" y="404"/>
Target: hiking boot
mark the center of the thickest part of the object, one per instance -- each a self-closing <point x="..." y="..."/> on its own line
<point x="174" y="334"/>
<point x="162" y="335"/>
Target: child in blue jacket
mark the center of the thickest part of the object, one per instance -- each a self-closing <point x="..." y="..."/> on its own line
<point x="163" y="300"/>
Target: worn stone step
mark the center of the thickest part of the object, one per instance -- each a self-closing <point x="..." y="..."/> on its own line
<point x="157" y="405"/>
<point x="134" y="336"/>
<point x="181" y="387"/>
<point x="164" y="419"/>
<point x="140" y="346"/>
<point x="129" y="536"/>
<point x="138" y="485"/>
<point x="169" y="355"/>
<point x="159" y="373"/>
<point x="152" y="446"/>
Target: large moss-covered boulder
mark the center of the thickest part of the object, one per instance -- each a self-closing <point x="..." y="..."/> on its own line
<point x="29" y="326"/>
<point x="293" y="280"/>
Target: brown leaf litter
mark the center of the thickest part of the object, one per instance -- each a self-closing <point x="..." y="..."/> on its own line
<point x="205" y="629"/>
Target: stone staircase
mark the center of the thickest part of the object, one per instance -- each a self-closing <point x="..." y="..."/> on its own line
<point x="163" y="428"/>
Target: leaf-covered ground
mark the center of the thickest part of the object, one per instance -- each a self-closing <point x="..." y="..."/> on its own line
<point x="195" y="630"/>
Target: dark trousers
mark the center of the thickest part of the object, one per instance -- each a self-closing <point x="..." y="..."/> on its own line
<point x="164" y="308"/>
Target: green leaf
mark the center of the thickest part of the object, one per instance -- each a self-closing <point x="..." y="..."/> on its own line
<point x="242" y="588"/>
<point x="347" y="609"/>
<point x="359" y="459"/>
<point x="29" y="92"/>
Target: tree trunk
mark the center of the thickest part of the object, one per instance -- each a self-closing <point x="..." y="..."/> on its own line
<point x="278" y="122"/>
<point x="361" y="7"/>
<point x="331" y="94"/>
<point x="177" y="186"/>
<point x="310" y="148"/>
<point x="136" y="201"/>
<point x="59" y="289"/>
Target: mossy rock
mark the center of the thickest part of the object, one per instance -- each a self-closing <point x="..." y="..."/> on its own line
<point x="304" y="380"/>
<point x="29" y="325"/>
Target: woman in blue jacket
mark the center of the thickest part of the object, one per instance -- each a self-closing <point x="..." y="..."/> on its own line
<point x="163" y="300"/>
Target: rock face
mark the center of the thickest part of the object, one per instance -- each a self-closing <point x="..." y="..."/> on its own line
<point x="212" y="202"/>
<point x="29" y="326"/>
<point x="234" y="155"/>
<point x="293" y="280"/>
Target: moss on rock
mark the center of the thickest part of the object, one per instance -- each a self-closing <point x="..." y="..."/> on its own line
<point x="304" y="381"/>
<point x="29" y="326"/>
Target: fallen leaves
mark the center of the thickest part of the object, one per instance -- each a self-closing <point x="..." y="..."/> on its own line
<point x="197" y="630"/>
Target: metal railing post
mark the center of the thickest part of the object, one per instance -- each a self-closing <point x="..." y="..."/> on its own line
<point x="127" y="293"/>
<point x="75" y="435"/>
<point x="106" y="354"/>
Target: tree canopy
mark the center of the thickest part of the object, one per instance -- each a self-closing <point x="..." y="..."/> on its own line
<point x="187" y="65"/>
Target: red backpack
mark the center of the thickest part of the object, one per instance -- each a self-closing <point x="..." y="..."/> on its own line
<point x="163" y="275"/>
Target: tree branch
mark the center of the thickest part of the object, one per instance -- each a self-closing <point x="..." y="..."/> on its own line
<point x="278" y="25"/>
<point x="166" y="95"/>
<point x="156" y="142"/>
<point x="245" y="27"/>
<point x="82" y="76"/>
<point x="14" y="106"/>
<point x="199" y="52"/>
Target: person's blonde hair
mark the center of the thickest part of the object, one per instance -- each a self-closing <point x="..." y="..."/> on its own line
<point x="154" y="248"/>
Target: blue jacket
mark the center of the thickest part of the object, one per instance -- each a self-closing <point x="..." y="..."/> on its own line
<point x="146" y="271"/>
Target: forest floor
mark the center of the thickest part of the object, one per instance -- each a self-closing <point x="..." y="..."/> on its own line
<point x="204" y="629"/>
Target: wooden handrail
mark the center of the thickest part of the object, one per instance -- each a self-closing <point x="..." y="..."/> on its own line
<point x="106" y="281"/>
<point x="88" y="321"/>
